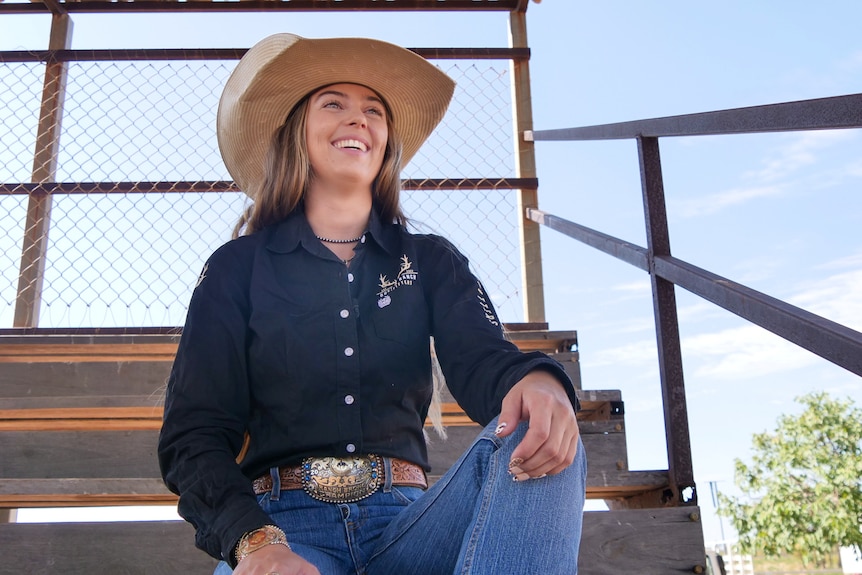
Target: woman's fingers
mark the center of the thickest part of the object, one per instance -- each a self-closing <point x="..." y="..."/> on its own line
<point x="548" y="452"/>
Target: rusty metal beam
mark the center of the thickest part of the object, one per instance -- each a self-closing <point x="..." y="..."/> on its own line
<point x="35" y="243"/>
<point x="219" y="186"/>
<point x="818" y="114"/>
<point x="680" y="469"/>
<point x="525" y="167"/>
<point x="620" y="249"/>
<point x="55" y="7"/>
<point x="830" y="340"/>
<point x="269" y="6"/>
<point x="234" y="54"/>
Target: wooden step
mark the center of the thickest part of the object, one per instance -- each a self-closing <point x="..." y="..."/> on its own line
<point x="64" y="420"/>
<point x="57" y="455"/>
<point x="646" y="542"/>
<point x="96" y="345"/>
<point x="45" y="345"/>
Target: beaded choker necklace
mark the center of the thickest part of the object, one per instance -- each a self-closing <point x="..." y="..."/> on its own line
<point x="329" y="241"/>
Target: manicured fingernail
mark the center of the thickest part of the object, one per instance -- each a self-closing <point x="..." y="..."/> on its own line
<point x="541" y="476"/>
<point x="500" y="428"/>
<point x="515" y="462"/>
<point x="516" y="471"/>
<point x="520" y="477"/>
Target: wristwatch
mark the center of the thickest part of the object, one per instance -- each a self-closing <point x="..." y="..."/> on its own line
<point x="254" y="540"/>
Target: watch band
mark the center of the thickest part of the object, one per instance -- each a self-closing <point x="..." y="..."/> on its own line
<point x="258" y="538"/>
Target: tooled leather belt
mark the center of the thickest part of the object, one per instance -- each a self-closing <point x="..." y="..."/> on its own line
<point x="343" y="479"/>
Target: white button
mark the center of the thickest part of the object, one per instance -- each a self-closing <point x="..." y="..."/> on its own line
<point x="348" y="351"/>
<point x="348" y="399"/>
<point x="351" y="448"/>
<point x="350" y="277"/>
<point x="363" y="239"/>
<point x="344" y="313"/>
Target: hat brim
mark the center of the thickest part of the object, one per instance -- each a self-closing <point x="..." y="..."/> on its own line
<point x="279" y="71"/>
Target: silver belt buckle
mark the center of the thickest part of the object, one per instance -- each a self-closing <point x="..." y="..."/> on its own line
<point x="341" y="479"/>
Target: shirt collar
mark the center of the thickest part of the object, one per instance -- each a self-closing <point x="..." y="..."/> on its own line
<point x="295" y="229"/>
<point x="385" y="235"/>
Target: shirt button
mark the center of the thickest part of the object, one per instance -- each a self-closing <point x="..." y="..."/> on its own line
<point x="350" y="278"/>
<point x="350" y="448"/>
<point x="348" y="351"/>
<point x="344" y="313"/>
<point x="348" y="399"/>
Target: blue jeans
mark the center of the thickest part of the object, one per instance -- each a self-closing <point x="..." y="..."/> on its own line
<point x="475" y="520"/>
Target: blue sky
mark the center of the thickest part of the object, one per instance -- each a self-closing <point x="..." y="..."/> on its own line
<point x="779" y="212"/>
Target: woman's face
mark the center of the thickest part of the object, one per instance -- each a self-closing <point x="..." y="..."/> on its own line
<point x="346" y="132"/>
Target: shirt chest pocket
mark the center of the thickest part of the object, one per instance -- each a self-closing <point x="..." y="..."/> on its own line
<point x="401" y="317"/>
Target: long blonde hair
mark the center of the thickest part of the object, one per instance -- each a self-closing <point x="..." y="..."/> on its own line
<point x="288" y="172"/>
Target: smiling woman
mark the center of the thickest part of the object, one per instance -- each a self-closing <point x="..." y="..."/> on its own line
<point x="293" y="424"/>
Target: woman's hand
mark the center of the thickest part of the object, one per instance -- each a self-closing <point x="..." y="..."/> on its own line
<point x="274" y="560"/>
<point x="551" y="441"/>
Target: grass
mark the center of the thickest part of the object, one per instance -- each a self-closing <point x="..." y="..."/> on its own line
<point x="793" y="564"/>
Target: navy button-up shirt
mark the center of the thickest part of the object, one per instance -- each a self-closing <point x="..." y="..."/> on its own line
<point x="310" y="358"/>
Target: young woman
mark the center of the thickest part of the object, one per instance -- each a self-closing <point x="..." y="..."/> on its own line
<point x="294" y="416"/>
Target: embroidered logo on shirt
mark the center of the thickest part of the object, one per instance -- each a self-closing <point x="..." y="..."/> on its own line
<point x="486" y="306"/>
<point x="406" y="276"/>
<point x="203" y="275"/>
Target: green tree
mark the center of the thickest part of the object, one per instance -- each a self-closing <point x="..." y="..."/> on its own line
<point x="802" y="490"/>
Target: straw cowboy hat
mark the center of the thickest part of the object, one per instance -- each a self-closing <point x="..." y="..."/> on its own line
<point x="280" y="70"/>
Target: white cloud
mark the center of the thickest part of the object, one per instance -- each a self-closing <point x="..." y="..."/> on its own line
<point x="779" y="172"/>
<point x="635" y="325"/>
<point x="698" y="311"/>
<point x="853" y="261"/>
<point x="750" y="351"/>
<point x="854" y="169"/>
<point x="798" y="153"/>
<point x="712" y="203"/>
<point x="838" y="297"/>
<point x="636" y="353"/>
<point x="742" y="353"/>
<point x="638" y="286"/>
<point x="653" y="403"/>
<point x="852" y="63"/>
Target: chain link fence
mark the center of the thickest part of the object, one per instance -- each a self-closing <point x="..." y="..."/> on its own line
<point x="127" y="237"/>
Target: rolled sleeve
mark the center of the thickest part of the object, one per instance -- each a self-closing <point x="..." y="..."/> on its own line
<point x="479" y="364"/>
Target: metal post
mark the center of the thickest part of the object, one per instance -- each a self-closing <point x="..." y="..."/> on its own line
<point x="525" y="167"/>
<point x="35" y="244"/>
<point x="667" y="328"/>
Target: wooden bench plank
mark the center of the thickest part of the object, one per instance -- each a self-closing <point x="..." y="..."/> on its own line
<point x="131" y="452"/>
<point x="84" y="492"/>
<point x="78" y="467"/>
<point x="98" y="492"/>
<point x="646" y="542"/>
<point x="35" y="347"/>
<point x="61" y="454"/>
<point x="83" y="347"/>
<point x="138" y="548"/>
<point x="543" y="340"/>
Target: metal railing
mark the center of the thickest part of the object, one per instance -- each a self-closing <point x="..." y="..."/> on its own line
<point x="835" y="342"/>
